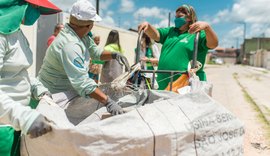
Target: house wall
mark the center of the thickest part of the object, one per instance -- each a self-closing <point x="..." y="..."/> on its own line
<point x="260" y="58"/>
<point x="266" y="59"/>
<point x="229" y="60"/>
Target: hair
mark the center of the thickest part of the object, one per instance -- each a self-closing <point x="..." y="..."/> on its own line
<point x="190" y="11"/>
<point x="74" y="21"/>
<point x="113" y="38"/>
<point x="58" y="27"/>
<point x="147" y="40"/>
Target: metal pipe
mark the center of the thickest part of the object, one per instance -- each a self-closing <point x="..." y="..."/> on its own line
<point x="137" y="59"/>
<point x="169" y="19"/>
<point x="171" y="81"/>
<point x="163" y="71"/>
<point x="195" y="53"/>
<point x="153" y="79"/>
<point x="97" y="6"/>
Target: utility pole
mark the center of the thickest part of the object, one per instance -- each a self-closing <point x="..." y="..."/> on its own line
<point x="244" y="37"/>
<point x="169" y="19"/>
<point x="97" y="6"/>
<point x="243" y="57"/>
<point x="237" y="42"/>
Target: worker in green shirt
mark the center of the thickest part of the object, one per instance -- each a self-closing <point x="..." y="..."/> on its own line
<point x="178" y="43"/>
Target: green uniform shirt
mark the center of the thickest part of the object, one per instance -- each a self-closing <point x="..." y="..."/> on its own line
<point x="177" y="50"/>
<point x="65" y="66"/>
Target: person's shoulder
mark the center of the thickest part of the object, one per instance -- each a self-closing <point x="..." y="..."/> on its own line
<point x="168" y="28"/>
<point x="51" y="37"/>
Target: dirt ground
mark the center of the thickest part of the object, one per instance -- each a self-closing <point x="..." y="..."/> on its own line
<point x="228" y="91"/>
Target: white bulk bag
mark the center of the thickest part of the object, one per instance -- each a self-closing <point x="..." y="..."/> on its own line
<point x="186" y="125"/>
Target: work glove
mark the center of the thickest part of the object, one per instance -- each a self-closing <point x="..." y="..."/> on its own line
<point x="113" y="107"/>
<point x="121" y="59"/>
<point x="39" y="127"/>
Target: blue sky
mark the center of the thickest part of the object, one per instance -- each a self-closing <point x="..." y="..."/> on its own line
<point x="225" y="16"/>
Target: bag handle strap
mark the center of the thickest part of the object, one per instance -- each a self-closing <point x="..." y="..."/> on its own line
<point x="195" y="52"/>
<point x="137" y="59"/>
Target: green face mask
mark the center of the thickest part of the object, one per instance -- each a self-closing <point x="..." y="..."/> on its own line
<point x="31" y="15"/>
<point x="180" y="21"/>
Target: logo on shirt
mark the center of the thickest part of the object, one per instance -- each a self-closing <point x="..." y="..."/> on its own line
<point x="78" y="62"/>
<point x="184" y="40"/>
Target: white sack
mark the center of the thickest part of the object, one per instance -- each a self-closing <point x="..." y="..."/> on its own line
<point x="187" y="125"/>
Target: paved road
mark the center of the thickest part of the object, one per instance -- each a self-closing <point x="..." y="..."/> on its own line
<point x="230" y="82"/>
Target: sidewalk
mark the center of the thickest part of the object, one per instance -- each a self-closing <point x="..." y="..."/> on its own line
<point x="229" y="83"/>
<point x="256" y="83"/>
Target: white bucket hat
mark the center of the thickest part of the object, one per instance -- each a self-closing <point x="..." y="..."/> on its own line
<point x="83" y="10"/>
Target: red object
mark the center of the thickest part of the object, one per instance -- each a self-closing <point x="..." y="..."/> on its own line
<point x="45" y="6"/>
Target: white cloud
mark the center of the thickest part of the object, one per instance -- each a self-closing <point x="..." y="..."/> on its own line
<point x="105" y="4"/>
<point x="153" y="12"/>
<point x="255" y="13"/>
<point x="163" y="23"/>
<point x="221" y="16"/>
<point x="232" y="38"/>
<point x="106" y="15"/>
<point x="249" y="11"/>
<point x="127" y="6"/>
<point x="65" y="5"/>
<point x="108" y="20"/>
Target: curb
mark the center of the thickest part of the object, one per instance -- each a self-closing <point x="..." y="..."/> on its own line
<point x="263" y="110"/>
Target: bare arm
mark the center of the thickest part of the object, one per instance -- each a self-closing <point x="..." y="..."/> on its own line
<point x="211" y="37"/>
<point x="106" y="56"/>
<point x="99" y="96"/>
<point x="150" y="31"/>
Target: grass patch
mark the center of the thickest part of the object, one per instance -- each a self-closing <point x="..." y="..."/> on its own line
<point x="257" y="78"/>
<point x="255" y="106"/>
<point x="211" y="62"/>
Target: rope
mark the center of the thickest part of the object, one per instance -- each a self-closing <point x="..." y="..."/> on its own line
<point x="148" y="84"/>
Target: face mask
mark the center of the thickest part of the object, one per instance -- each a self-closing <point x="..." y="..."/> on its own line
<point x="180" y="21"/>
<point x="31" y="15"/>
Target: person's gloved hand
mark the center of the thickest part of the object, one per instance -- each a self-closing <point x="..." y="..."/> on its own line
<point x="121" y="59"/>
<point x="113" y="107"/>
<point x="39" y="127"/>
